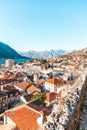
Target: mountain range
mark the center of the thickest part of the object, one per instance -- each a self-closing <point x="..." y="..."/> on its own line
<point x="43" y="54"/>
<point x="7" y="52"/>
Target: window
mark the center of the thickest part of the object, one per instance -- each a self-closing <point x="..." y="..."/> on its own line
<point x="16" y="94"/>
<point x="3" y="105"/>
<point x="4" y="98"/>
<point x="11" y="95"/>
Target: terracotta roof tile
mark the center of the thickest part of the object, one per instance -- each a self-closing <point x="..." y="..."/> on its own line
<point x="33" y="88"/>
<point x="55" y="80"/>
<point x="25" y="118"/>
<point x="51" y="96"/>
<point x="23" y="85"/>
<point x="28" y="97"/>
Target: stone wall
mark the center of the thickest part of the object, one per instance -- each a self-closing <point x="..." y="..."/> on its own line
<point x="75" y="118"/>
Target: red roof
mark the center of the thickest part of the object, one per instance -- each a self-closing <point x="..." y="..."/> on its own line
<point x="33" y="88"/>
<point x="25" y="118"/>
<point x="51" y="96"/>
<point x="23" y="85"/>
<point x="55" y="80"/>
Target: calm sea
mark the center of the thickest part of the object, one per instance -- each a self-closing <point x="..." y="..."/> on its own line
<point x="15" y="60"/>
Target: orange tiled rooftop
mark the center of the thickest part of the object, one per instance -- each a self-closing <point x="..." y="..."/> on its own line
<point x="51" y="96"/>
<point x="33" y="88"/>
<point x="55" y="81"/>
<point x="25" y="118"/>
<point x="23" y="85"/>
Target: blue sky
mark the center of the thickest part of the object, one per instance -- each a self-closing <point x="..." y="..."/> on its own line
<point x="43" y="24"/>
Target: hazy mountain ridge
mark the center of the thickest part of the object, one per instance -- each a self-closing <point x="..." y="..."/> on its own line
<point x="7" y="52"/>
<point x="43" y="54"/>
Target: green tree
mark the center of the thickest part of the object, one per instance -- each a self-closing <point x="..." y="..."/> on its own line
<point x="41" y="96"/>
